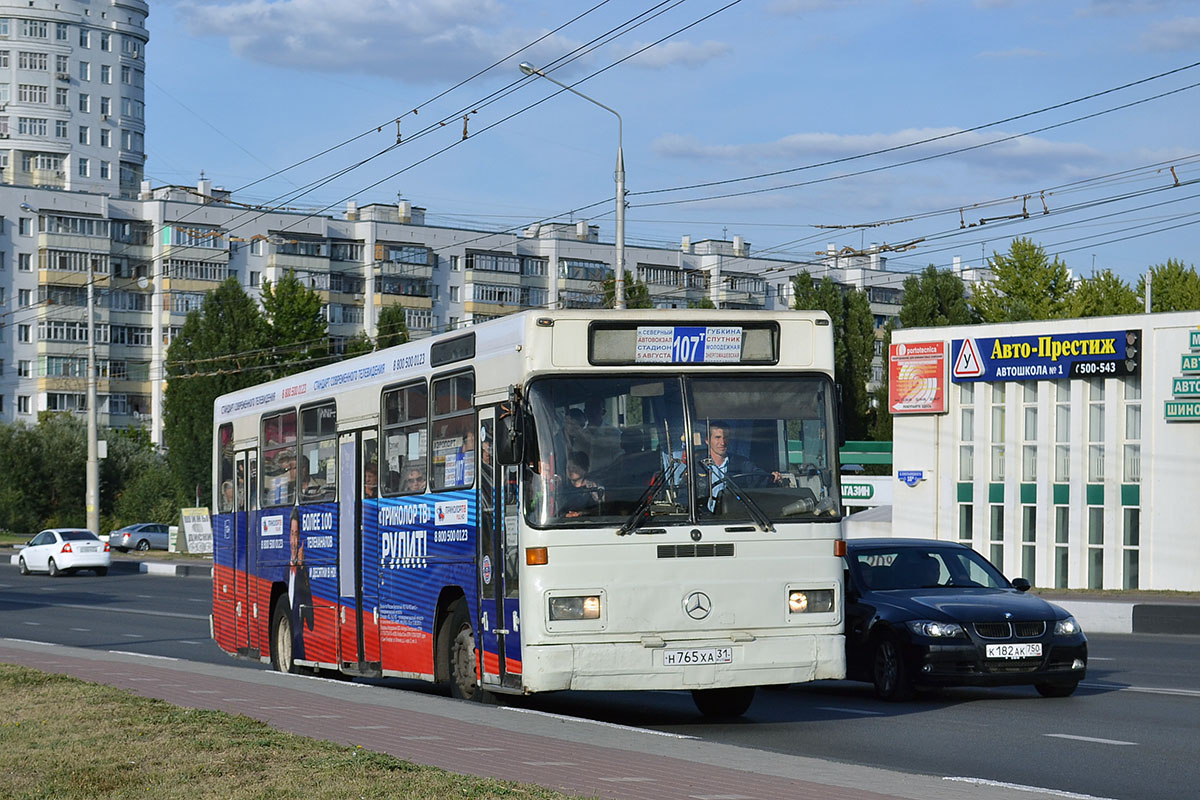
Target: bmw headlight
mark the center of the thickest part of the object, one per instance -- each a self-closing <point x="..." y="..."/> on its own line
<point x="936" y="630"/>
<point x="565" y="608"/>
<point x="1067" y="627"/>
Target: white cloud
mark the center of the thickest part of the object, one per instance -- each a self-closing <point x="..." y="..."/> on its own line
<point x="420" y="41"/>
<point x="670" y="54"/>
<point x="1176" y="34"/>
<point x="1025" y="154"/>
<point x="1016" y="52"/>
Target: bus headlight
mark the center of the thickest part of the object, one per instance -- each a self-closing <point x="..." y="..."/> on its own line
<point x="565" y="608"/>
<point x="810" y="601"/>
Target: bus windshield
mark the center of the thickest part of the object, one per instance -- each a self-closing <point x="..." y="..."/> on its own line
<point x="629" y="451"/>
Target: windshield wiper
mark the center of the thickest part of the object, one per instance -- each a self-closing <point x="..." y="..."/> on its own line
<point x="756" y="512"/>
<point x="657" y="483"/>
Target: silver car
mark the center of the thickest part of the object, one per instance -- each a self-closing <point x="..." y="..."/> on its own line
<point x="142" y="536"/>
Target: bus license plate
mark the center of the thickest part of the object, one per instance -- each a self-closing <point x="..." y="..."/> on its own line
<point x="700" y="655"/>
<point x="1025" y="650"/>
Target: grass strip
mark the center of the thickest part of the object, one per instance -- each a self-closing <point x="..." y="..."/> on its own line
<point x="67" y="739"/>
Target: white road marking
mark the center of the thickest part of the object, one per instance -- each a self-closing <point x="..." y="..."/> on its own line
<point x="202" y="691"/>
<point x="482" y="749"/>
<point x="629" y="780"/>
<point x="280" y="708"/>
<point x="142" y="655"/>
<point x="144" y="612"/>
<point x="185" y="641"/>
<point x="133" y="636"/>
<point x="1022" y="788"/>
<point x="321" y="716"/>
<point x="1120" y="687"/>
<point x="1098" y="658"/>
<point x="422" y="738"/>
<point x="596" y="722"/>
<point x="369" y="727"/>
<point x="550" y="763"/>
<point x="27" y="622"/>
<point x="1092" y="739"/>
<point x="721" y="797"/>
<point x="82" y="630"/>
<point x="30" y="641"/>
<point x="844" y="710"/>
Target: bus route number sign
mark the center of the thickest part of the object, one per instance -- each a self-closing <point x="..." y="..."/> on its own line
<point x="689" y="345"/>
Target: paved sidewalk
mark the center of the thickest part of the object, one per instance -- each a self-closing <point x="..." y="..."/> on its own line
<point x="573" y="756"/>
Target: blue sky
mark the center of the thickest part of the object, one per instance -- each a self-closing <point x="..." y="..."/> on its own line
<point x="244" y="88"/>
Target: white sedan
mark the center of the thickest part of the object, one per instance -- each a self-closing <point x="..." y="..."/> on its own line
<point x="62" y="550"/>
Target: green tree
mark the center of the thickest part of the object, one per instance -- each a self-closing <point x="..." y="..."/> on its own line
<point x="703" y="302"/>
<point x="220" y="349"/>
<point x="881" y="423"/>
<point x="935" y="298"/>
<point x="637" y="294"/>
<point x="1025" y="285"/>
<point x="1173" y="287"/>
<point x="296" y="329"/>
<point x="1102" y="294"/>
<point x="391" y="326"/>
<point x="358" y="345"/>
<point x="854" y="343"/>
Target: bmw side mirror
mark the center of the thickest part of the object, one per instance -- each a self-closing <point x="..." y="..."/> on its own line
<point x="1020" y="584"/>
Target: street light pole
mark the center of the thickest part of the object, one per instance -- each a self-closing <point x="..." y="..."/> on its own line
<point x="619" y="300"/>
<point x="92" y="500"/>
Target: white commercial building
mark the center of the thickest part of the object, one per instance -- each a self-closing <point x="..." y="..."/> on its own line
<point x="1067" y="451"/>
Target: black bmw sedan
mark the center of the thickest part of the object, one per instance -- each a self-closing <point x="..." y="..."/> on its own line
<point x="926" y="613"/>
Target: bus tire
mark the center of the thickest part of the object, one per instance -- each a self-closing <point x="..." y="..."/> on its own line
<point x="459" y="644"/>
<point x="723" y="703"/>
<point x="282" y="658"/>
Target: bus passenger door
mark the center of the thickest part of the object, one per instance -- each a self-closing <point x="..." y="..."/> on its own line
<point x="248" y="522"/>
<point x="367" y="548"/>
<point x="241" y="564"/>
<point x="499" y="614"/>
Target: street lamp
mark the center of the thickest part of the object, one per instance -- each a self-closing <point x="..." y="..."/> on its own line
<point x="619" y="300"/>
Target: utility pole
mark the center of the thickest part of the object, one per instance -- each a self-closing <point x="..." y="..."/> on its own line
<point x="92" y="499"/>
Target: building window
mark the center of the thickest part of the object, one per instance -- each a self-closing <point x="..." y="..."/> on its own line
<point x="23" y="370"/>
<point x="454" y="294"/>
<point x="62" y="97"/>
<point x="23" y="262"/>
<point x="1095" y="463"/>
<point x="105" y="170"/>
<point x="62" y="65"/>
<point x="966" y="523"/>
<point x="23" y="333"/>
<point x="105" y="105"/>
<point x="1029" y="543"/>
<point x="966" y="462"/>
<point x="85" y="169"/>
<point x="1062" y="552"/>
<point x="105" y="137"/>
<point x="454" y="267"/>
<point x="996" y="536"/>
<point x="967" y="432"/>
<point x="85" y="134"/>
<point x="61" y="129"/>
<point x="1062" y="463"/>
<point x="85" y="37"/>
<point x="997" y="462"/>
<point x="85" y="71"/>
<point x="1131" y="524"/>
<point x="39" y="62"/>
<point x="1095" y="551"/>
<point x="22" y="404"/>
<point x="32" y="93"/>
<point x="106" y="42"/>
<point x="1029" y="463"/>
<point x="60" y="31"/>
<point x="85" y="103"/>
<point x="105" y="73"/>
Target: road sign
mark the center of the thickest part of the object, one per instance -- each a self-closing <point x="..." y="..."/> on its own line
<point x="1189" y="362"/>
<point x="1185" y="387"/>
<point x="1182" y="411"/>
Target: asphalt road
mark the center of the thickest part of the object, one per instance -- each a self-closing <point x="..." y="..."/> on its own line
<point x="1129" y="732"/>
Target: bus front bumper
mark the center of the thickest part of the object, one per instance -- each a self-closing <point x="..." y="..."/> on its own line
<point x="691" y="664"/>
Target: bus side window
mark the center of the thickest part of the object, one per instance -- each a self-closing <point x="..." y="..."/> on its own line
<point x="402" y="465"/>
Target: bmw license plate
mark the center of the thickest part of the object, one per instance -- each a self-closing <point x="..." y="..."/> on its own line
<point x="698" y="655"/>
<point x="1023" y="650"/>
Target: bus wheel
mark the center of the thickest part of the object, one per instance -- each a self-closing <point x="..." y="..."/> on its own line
<point x="460" y="647"/>
<point x="281" y="638"/>
<point x="731" y="702"/>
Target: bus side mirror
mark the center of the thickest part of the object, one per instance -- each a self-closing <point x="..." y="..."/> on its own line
<point x="510" y="430"/>
<point x="841" y="417"/>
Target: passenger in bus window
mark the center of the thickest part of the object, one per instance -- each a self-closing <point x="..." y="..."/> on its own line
<point x="580" y="495"/>
<point x="370" y="481"/>
<point x="414" y="480"/>
<point x="226" y="497"/>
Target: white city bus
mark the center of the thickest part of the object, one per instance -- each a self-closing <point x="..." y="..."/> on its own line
<point x="552" y="500"/>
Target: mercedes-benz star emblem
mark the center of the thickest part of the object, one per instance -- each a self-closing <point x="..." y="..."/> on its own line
<point x="697" y="605"/>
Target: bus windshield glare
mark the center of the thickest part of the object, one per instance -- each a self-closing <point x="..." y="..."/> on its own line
<point x="757" y="449"/>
